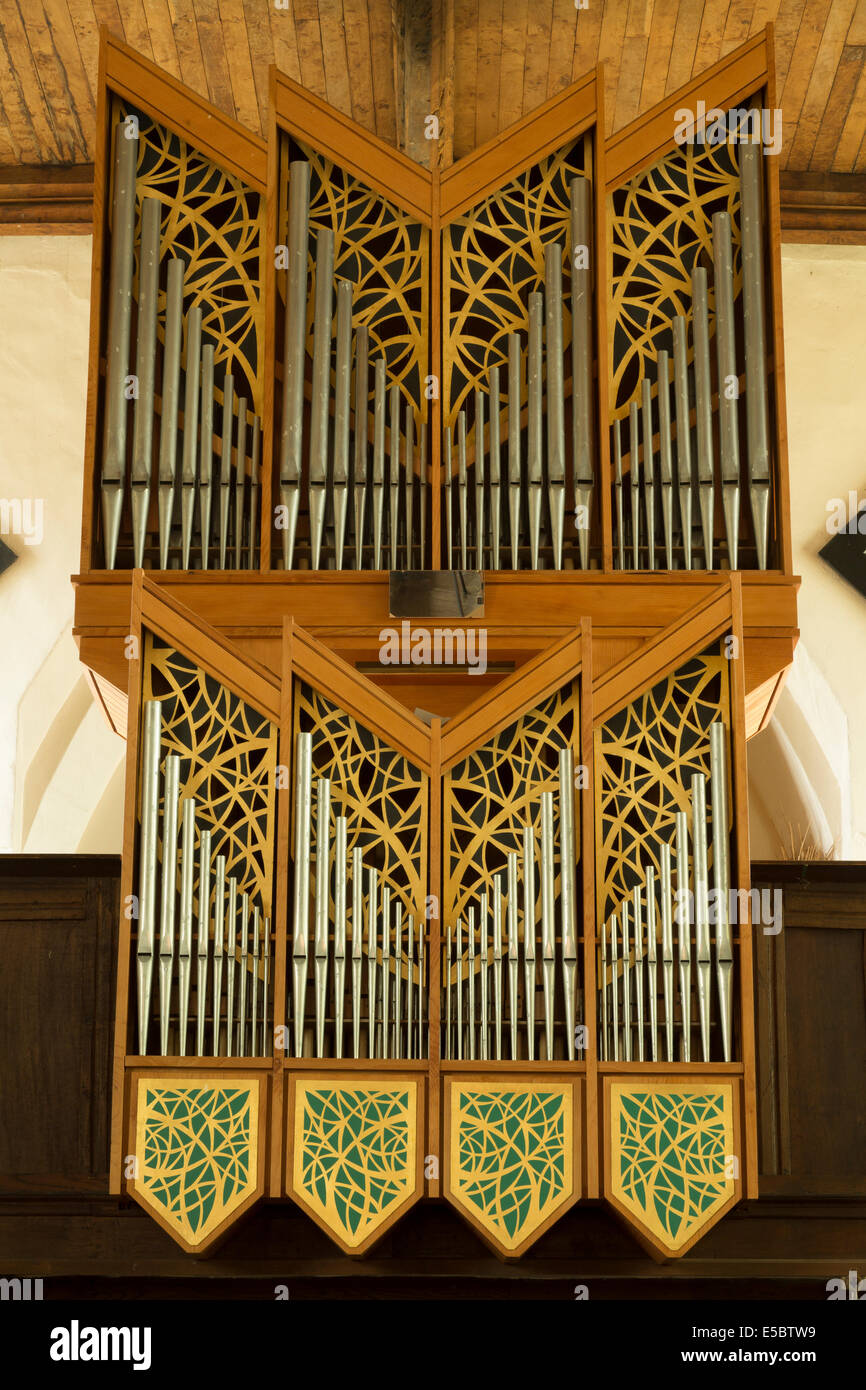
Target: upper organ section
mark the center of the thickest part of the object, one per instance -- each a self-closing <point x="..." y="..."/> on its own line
<point x="561" y="353"/>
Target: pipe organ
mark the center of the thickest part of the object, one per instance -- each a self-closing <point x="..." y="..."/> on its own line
<point x="488" y="926"/>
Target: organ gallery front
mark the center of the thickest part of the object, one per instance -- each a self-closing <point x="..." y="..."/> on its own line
<point x="436" y="566"/>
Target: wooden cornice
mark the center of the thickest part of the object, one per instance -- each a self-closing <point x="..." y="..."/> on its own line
<point x="828" y="208"/>
<point x="35" y="199"/>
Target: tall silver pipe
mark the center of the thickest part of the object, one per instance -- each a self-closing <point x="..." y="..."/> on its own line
<point x="757" y="426"/>
<point x="470" y="1012"/>
<point x="394" y="489"/>
<point x="726" y="358"/>
<point x="626" y="984"/>
<point x="240" y="483"/>
<point x="548" y="924"/>
<point x="219" y="915"/>
<point x="722" y="880"/>
<point x="386" y="970"/>
<point x="119" y="332"/>
<point x="168" y="899"/>
<point x="535" y="390"/>
<point x="184" y="934"/>
<point x="495" y="467"/>
<point x="665" y="459"/>
<point x="231" y="962"/>
<point x="497" y="967"/>
<point x="410" y="985"/>
<point x="479" y="476"/>
<point x="362" y="387"/>
<point x="190" y="429"/>
<point x="462" y="488"/>
<point x="447" y="466"/>
<point x="255" y="452"/>
<point x="205" y="468"/>
<point x="378" y="458"/>
<point x="357" y="945"/>
<point x="294" y="352"/>
<point x="448" y="1050"/>
<point x="147" y="860"/>
<point x="301" y="907"/>
<point x="266" y="963"/>
<point x="203" y="940"/>
<point x="529" y="937"/>
<point x="170" y="402"/>
<point x="340" y="843"/>
<point x="702" y="912"/>
<point x="649" y="472"/>
<point x="652" y="959"/>
<point x="703" y="408"/>
<point x="512" y="949"/>
<point x="514" y="445"/>
<point x="409" y="485"/>
<point x="423" y="485"/>
<point x="372" y="953"/>
<point x="684" y="930"/>
<point x="244" y="971"/>
<point x="397" y="1049"/>
<point x="637" y="909"/>
<point x="145" y="369"/>
<point x="581" y="357"/>
<point x="226" y="463"/>
<point x="667" y="950"/>
<point x="483" y="979"/>
<point x="567" y="892"/>
<point x="634" y="447"/>
<point x="684" y="437"/>
<point x="620" y="518"/>
<point x="342" y="406"/>
<point x="254" y="1011"/>
<point x="605" y="1025"/>
<point x="322" y="908"/>
<point x="614" y="983"/>
<point x="321" y="389"/>
<point x="555" y="397"/>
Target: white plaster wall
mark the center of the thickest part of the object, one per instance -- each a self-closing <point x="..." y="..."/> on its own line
<point x="44" y="308"/>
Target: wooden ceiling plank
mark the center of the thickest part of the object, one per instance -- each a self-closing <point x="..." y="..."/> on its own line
<point x="382" y="72"/>
<point x="587" y="36"/>
<point x="466" y="76"/>
<point x="22" y="52"/>
<point x="537" y="61"/>
<point x="239" y="58"/>
<point x="561" y="56"/>
<point x="786" y="27"/>
<point x="793" y="94"/>
<point x="338" y="87"/>
<point x="851" y="139"/>
<point x="709" y="49"/>
<point x="136" y="27"/>
<point x="106" y="12"/>
<point x="487" y="123"/>
<point x="828" y="136"/>
<point x="283" y="36"/>
<point x="8" y="149"/>
<point x="857" y="32"/>
<point x="258" y="21"/>
<point x="513" y="62"/>
<point x="81" y="106"/>
<point x="826" y="62"/>
<point x="20" y="128"/>
<point x="162" y="40"/>
<point x="86" y="38"/>
<point x="189" y="50"/>
<point x="609" y="48"/>
<point x="685" y="44"/>
<point x="360" y="62"/>
<point x="631" y="65"/>
<point x="310" y="51"/>
<point x="738" y="26"/>
<point x="213" y="51"/>
<point x="658" y="52"/>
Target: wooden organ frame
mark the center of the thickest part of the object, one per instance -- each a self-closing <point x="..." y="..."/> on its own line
<point x="612" y="632"/>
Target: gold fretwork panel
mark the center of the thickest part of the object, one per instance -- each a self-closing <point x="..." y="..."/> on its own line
<point x="214" y="223"/>
<point x="228" y="754"/>
<point x="660" y="227"/>
<point x="673" y="1156"/>
<point x="492" y="260"/>
<point x="355" y="1152"/>
<point x="644" y="759"/>
<point x="382" y="794"/>
<point x="496" y="790"/>
<point x="198" y="1151"/>
<point x="512" y="1150"/>
<point x="384" y="253"/>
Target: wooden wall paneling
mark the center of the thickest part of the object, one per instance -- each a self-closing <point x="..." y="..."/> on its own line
<point x="586" y="802"/>
<point x="740" y="879"/>
<point x="124" y="941"/>
<point x="434" y="962"/>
